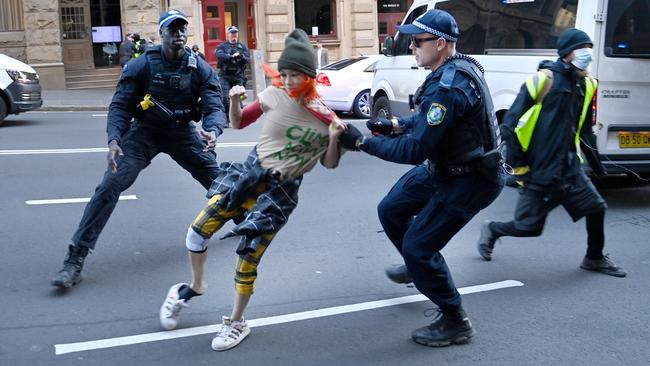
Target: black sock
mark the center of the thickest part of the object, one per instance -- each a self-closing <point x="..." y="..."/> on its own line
<point x="595" y="235"/>
<point x="186" y="293"/>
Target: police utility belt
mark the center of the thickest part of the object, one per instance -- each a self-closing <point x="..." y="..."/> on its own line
<point x="155" y="112"/>
<point x="488" y="165"/>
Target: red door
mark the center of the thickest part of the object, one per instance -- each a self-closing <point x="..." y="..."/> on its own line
<point x="250" y="24"/>
<point x="388" y="23"/>
<point x="213" y="28"/>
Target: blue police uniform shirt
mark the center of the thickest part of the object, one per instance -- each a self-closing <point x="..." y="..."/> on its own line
<point x="227" y="64"/>
<point x="440" y="107"/>
<point x="133" y="85"/>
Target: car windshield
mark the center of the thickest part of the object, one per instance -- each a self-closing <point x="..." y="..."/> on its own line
<point x="338" y="65"/>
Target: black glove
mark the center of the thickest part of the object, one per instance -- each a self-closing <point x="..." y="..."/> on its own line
<point x="380" y="126"/>
<point x="351" y="138"/>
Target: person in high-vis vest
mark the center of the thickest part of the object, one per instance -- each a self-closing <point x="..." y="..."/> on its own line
<point x="543" y="130"/>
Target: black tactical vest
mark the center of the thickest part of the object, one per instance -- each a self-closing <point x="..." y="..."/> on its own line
<point x="470" y="138"/>
<point x="173" y="87"/>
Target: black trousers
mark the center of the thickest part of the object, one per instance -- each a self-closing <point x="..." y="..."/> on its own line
<point x="579" y="198"/>
<point x="227" y="82"/>
<point x="442" y="206"/>
<point x="140" y="145"/>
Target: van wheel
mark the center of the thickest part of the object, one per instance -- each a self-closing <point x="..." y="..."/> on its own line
<point x="361" y="105"/>
<point x="3" y="110"/>
<point x="381" y="108"/>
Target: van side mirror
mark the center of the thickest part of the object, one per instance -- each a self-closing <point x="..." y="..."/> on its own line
<point x="388" y="46"/>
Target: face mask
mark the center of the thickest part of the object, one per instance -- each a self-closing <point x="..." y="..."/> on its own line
<point x="583" y="57"/>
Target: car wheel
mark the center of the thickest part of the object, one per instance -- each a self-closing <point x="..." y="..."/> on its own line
<point x="3" y="110"/>
<point x="381" y="108"/>
<point x="361" y="106"/>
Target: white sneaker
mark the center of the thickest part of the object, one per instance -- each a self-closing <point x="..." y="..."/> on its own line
<point x="171" y="308"/>
<point x="231" y="334"/>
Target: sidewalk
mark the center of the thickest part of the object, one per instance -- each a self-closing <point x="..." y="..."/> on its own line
<point x="84" y="100"/>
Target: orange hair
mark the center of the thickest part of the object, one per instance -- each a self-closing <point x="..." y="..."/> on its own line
<point x="306" y="91"/>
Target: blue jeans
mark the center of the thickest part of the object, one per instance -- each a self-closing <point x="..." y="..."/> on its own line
<point x="140" y="145"/>
<point x="442" y="206"/>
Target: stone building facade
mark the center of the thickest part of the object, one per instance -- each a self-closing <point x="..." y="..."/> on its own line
<point x="56" y="36"/>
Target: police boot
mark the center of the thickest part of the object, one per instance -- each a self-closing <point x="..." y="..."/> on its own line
<point x="398" y="274"/>
<point x="70" y="274"/>
<point x="486" y="241"/>
<point x="447" y="328"/>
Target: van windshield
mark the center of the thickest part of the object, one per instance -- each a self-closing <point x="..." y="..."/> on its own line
<point x="490" y="26"/>
<point x="627" y="32"/>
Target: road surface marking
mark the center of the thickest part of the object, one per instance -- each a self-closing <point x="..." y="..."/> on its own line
<point x="100" y="115"/>
<point x="74" y="200"/>
<point x="60" y="349"/>
<point x="102" y="149"/>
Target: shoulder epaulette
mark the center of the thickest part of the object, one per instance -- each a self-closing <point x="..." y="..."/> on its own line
<point x="447" y="77"/>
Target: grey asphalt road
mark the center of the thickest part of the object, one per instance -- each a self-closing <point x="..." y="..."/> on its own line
<point x="330" y="254"/>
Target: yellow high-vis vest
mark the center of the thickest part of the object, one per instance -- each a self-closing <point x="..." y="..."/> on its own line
<point x="538" y="86"/>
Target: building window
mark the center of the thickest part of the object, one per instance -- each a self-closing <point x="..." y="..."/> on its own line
<point x="317" y="17"/>
<point x="73" y="23"/>
<point x="11" y="16"/>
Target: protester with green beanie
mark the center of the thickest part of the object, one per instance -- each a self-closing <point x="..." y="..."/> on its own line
<point x="261" y="193"/>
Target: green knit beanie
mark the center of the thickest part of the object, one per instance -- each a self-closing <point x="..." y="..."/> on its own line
<point x="298" y="54"/>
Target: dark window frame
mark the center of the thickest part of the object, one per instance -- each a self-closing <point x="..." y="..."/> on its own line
<point x="622" y="12"/>
<point x="298" y="8"/>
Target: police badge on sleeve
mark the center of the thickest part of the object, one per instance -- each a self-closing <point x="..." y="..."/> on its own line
<point x="436" y="114"/>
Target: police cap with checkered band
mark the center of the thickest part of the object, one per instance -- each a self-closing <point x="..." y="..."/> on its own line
<point x="436" y="22"/>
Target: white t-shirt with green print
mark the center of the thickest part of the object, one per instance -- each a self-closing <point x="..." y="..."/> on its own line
<point x="292" y="139"/>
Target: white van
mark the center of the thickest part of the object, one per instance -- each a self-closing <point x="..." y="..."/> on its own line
<point x="20" y="90"/>
<point x="510" y="38"/>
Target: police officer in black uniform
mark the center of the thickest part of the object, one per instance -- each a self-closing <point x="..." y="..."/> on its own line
<point x="233" y="57"/>
<point x="455" y="133"/>
<point x="163" y="91"/>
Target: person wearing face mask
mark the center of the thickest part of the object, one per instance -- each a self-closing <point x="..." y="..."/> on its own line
<point x="453" y="140"/>
<point x="545" y="153"/>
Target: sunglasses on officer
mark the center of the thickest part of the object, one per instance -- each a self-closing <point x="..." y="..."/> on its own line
<point x="417" y="42"/>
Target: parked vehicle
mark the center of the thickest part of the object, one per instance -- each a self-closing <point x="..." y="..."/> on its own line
<point x="511" y="37"/>
<point x="345" y="84"/>
<point x="20" y="90"/>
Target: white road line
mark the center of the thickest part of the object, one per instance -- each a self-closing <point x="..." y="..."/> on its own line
<point x="100" y="115"/>
<point x="101" y="149"/>
<point x="74" y="200"/>
<point x="60" y="349"/>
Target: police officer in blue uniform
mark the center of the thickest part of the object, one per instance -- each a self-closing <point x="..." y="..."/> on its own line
<point x="233" y="57"/>
<point x="162" y="92"/>
<point x="455" y="133"/>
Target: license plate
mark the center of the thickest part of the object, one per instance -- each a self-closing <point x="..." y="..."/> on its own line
<point x="633" y="139"/>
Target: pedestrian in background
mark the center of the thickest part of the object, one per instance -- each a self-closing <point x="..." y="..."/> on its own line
<point x="261" y="193"/>
<point x="321" y="54"/>
<point x="545" y="153"/>
<point x="138" y="46"/>
<point x="233" y="56"/>
<point x="126" y="49"/>
<point x="455" y="132"/>
<point x="163" y="91"/>
<point x="151" y="42"/>
<point x="198" y="53"/>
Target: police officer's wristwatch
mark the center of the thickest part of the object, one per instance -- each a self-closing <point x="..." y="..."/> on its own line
<point x="360" y="142"/>
<point x="397" y="128"/>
